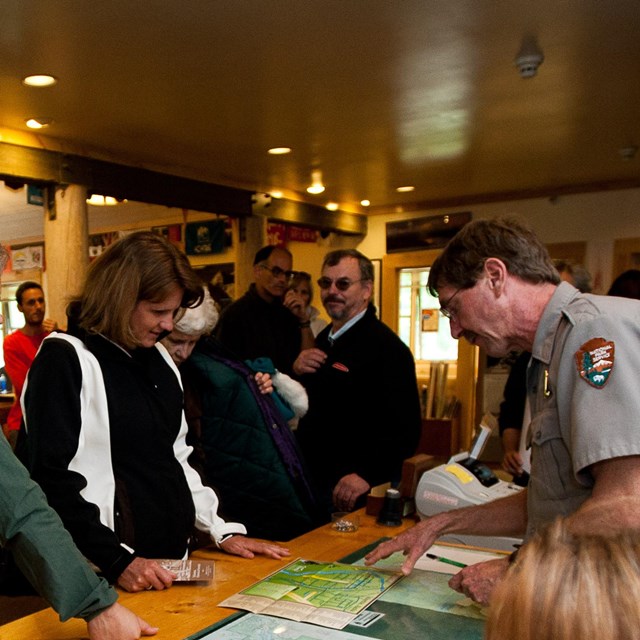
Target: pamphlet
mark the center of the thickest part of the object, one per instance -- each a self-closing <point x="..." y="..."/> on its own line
<point x="190" y="570"/>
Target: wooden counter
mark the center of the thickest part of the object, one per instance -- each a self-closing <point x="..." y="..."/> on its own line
<point x="184" y="610"/>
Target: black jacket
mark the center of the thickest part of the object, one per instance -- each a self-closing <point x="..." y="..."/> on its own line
<point x="364" y="408"/>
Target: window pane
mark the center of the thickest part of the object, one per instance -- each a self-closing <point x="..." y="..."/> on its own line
<point x="405" y="301"/>
<point x="404" y="331"/>
<point x="421" y="325"/>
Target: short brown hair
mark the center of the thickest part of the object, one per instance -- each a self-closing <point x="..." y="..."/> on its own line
<point x="334" y="257"/>
<point x="25" y="286"/>
<point x="140" y="266"/>
<point x="462" y="261"/>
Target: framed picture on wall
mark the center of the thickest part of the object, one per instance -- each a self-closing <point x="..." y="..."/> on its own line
<point x="377" y="285"/>
<point x="220" y="279"/>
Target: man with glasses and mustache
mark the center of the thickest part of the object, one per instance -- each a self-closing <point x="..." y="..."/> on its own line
<point x="269" y="320"/>
<point x="364" y="408"/>
<point x="502" y="292"/>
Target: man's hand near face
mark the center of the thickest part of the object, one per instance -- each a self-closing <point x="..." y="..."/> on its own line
<point x="295" y="303"/>
<point x="49" y="325"/>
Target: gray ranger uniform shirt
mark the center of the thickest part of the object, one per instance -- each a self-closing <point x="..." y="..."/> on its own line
<point x="583" y="388"/>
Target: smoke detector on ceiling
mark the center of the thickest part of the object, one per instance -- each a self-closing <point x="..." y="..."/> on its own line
<point x="529" y="58"/>
<point x="628" y="153"/>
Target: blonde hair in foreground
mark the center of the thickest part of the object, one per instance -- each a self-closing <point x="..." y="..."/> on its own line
<point x="566" y="586"/>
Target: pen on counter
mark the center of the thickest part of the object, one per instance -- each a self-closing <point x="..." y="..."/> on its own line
<point x="455" y="563"/>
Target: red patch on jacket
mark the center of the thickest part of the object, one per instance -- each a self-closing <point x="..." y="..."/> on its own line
<point x="340" y="367"/>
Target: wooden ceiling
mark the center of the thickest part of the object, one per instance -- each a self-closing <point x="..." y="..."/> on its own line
<point x="376" y="94"/>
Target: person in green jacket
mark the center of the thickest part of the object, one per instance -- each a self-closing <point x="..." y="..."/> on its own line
<point x="47" y="556"/>
<point x="238" y="426"/>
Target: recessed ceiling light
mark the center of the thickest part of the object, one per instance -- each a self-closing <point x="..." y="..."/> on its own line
<point x="365" y="203"/>
<point x="38" y="123"/>
<point x="405" y="189"/>
<point x="332" y="206"/>
<point x="40" y="80"/>
<point x="279" y="151"/>
<point x="316" y="186"/>
<point x="628" y="153"/>
<point x="276" y="194"/>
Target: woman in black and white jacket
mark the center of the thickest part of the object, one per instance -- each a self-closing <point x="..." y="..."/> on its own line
<point x="105" y="426"/>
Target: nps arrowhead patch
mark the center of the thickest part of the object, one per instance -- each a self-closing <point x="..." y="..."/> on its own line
<point x="595" y="360"/>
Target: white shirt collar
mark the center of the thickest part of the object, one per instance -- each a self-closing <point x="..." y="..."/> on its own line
<point x="334" y="336"/>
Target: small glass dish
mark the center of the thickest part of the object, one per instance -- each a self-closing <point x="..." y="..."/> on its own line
<point x="345" y="522"/>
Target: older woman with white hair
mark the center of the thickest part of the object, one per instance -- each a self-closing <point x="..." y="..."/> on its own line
<point x="190" y="327"/>
<point x="242" y="443"/>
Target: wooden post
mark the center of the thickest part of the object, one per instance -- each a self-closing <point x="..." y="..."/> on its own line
<point x="250" y="238"/>
<point x="66" y="238"/>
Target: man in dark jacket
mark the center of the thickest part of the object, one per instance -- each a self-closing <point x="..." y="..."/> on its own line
<point x="364" y="408"/>
<point x="269" y="320"/>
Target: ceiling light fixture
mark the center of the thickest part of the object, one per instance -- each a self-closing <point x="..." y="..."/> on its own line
<point x="365" y="203"/>
<point x="103" y="201"/>
<point x="405" y="189"/>
<point x="279" y="151"/>
<point x="40" y="80"/>
<point x="316" y="186"/>
<point x="276" y="194"/>
<point x="628" y="153"/>
<point x="38" y="123"/>
<point x="529" y="58"/>
<point x="332" y="206"/>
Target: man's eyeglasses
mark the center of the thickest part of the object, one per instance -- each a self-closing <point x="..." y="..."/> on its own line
<point x="342" y="284"/>
<point x="445" y="309"/>
<point x="277" y="272"/>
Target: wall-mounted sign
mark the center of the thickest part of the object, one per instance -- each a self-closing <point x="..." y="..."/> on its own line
<point x="27" y="258"/>
<point x="35" y="195"/>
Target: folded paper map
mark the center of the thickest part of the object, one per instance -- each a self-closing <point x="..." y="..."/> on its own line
<point x="329" y="594"/>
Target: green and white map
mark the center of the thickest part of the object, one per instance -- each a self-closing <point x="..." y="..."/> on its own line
<point x="329" y="594"/>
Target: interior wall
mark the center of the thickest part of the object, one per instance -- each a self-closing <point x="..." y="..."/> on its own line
<point x="595" y="218"/>
<point x="599" y="219"/>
